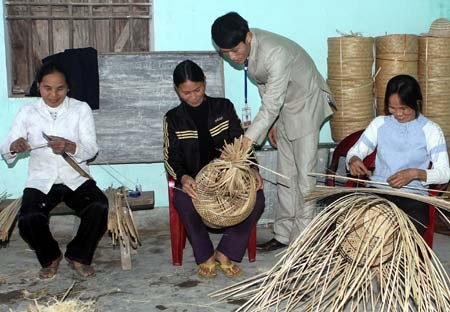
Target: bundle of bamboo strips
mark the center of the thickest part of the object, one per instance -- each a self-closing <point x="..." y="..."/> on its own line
<point x="8" y="217"/>
<point x="361" y="253"/>
<point x="120" y="219"/>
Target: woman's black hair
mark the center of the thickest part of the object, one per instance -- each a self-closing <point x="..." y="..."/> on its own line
<point x="229" y="30"/>
<point x="187" y="71"/>
<point x="408" y="90"/>
<point x="50" y="68"/>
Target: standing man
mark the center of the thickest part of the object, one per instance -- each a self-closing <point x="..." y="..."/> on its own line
<point x="295" y="103"/>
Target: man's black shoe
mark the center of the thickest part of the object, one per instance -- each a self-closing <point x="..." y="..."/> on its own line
<point x="273" y="244"/>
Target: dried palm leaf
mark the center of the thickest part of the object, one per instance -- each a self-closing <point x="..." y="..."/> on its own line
<point x="361" y="253"/>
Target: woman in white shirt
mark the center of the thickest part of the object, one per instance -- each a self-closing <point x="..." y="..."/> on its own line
<point x="407" y="143"/>
<point x="69" y="125"/>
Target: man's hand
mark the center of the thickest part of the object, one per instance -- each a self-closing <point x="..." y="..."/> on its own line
<point x="273" y="136"/>
<point x="19" y="146"/>
<point x="403" y="177"/>
<point x="246" y="142"/>
<point x="357" y="167"/>
<point x="60" y="145"/>
<point x="189" y="186"/>
<point x="259" y="180"/>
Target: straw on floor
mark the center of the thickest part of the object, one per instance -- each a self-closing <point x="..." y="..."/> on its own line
<point x="361" y="253"/>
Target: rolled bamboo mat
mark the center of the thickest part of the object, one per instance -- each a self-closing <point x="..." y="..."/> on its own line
<point x="434" y="79"/>
<point x="342" y="128"/>
<point x="350" y="61"/>
<point x="395" y="54"/>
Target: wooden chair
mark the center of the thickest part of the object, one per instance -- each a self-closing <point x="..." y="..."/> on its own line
<point x="178" y="234"/>
<point x="341" y="151"/>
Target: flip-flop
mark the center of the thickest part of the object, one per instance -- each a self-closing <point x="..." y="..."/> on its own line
<point x="230" y="270"/>
<point x="206" y="270"/>
<point x="83" y="270"/>
<point x="50" y="271"/>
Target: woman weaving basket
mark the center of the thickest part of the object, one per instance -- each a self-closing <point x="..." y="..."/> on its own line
<point x="194" y="133"/>
<point x="406" y="142"/>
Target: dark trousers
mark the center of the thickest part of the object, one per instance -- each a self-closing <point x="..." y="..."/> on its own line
<point x="416" y="210"/>
<point x="88" y="202"/>
<point x="234" y="240"/>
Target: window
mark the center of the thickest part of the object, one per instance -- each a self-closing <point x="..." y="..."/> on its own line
<point x="38" y="28"/>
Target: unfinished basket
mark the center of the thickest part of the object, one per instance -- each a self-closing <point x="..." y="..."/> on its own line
<point x="361" y="253"/>
<point x="226" y="188"/>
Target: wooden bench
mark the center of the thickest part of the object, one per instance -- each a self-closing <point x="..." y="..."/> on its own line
<point x="143" y="202"/>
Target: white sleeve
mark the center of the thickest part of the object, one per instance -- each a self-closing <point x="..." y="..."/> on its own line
<point x="437" y="149"/>
<point x="18" y="130"/>
<point x="87" y="146"/>
<point x="367" y="142"/>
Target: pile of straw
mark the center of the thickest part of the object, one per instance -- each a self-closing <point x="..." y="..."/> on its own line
<point x="8" y="218"/>
<point x="121" y="224"/>
<point x="362" y="253"/>
<point x="71" y="305"/>
<point x="434" y="79"/>
<point x="395" y="54"/>
<point x="226" y="187"/>
<point x="350" y="60"/>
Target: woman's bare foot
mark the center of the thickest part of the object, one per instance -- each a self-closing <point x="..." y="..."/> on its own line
<point x="229" y="269"/>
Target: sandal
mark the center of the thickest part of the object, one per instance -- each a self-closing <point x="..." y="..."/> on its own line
<point x="230" y="270"/>
<point x="206" y="270"/>
<point x="50" y="271"/>
<point x="83" y="270"/>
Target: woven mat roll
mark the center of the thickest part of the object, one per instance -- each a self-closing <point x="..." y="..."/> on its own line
<point x="350" y="47"/>
<point x="342" y="128"/>
<point x="350" y="61"/>
<point x="434" y="79"/>
<point x="434" y="47"/>
<point x="397" y="47"/>
<point x="395" y="54"/>
<point x="353" y="98"/>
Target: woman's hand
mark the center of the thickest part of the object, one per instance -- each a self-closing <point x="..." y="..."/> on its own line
<point x="259" y="181"/>
<point x="19" y="146"/>
<point x="273" y="136"/>
<point x="357" y="167"/>
<point x="60" y="145"/>
<point x="189" y="186"/>
<point x="403" y="177"/>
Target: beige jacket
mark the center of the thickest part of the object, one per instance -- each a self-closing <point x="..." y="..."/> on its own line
<point x="290" y="87"/>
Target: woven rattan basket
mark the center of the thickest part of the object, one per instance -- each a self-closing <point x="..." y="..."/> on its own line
<point x="226" y="193"/>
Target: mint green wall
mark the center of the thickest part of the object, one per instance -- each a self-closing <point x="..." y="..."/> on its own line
<point x="185" y="25"/>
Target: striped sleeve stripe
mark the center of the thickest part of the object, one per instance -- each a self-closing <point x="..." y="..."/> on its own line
<point x="219" y="128"/>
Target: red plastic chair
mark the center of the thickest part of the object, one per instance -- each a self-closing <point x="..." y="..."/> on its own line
<point x="341" y="151"/>
<point x="178" y="234"/>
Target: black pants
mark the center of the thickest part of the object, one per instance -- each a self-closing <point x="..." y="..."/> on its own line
<point x="88" y="202"/>
<point x="416" y="210"/>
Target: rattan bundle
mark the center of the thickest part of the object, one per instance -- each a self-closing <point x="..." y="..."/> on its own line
<point x="395" y="54"/>
<point x="434" y="79"/>
<point x="350" y="60"/>
<point x="361" y="253"/>
<point x="226" y="187"/>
